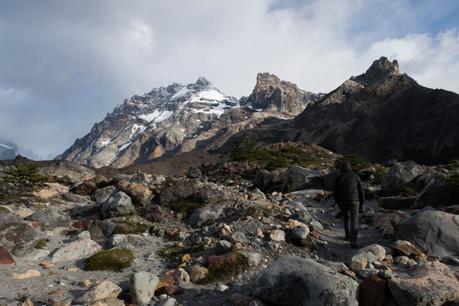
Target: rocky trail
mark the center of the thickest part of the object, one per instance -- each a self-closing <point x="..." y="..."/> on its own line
<point x="228" y="233"/>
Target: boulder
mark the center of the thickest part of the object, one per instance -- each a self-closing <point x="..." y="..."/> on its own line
<point x="367" y="255"/>
<point x="76" y="198"/>
<point x="298" y="234"/>
<point x="143" y="287"/>
<point x="396" y="202"/>
<point x="102" y="195"/>
<point x="49" y="217"/>
<point x="432" y="284"/>
<point x="15" y="235"/>
<point x="435" y="193"/>
<point x="297" y="178"/>
<point x="194" y="172"/>
<point x="76" y="250"/>
<point x="435" y="232"/>
<point x="99" y="292"/>
<point x="119" y="204"/>
<point x="373" y="291"/>
<point x="201" y="216"/>
<point x="139" y="192"/>
<point x="303" y="281"/>
<point x="101" y="230"/>
<point x="399" y="174"/>
<point x="268" y="181"/>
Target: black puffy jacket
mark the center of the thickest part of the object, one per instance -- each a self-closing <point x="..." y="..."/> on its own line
<point x="348" y="187"/>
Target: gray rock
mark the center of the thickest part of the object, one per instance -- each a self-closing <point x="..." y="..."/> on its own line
<point x="433" y="231"/>
<point x="16" y="236"/>
<point x="253" y="258"/>
<point x="435" y="193"/>
<point x="399" y="174"/>
<point x="194" y="172"/>
<point x="102" y="195"/>
<point x="201" y="216"/>
<point x="76" y="250"/>
<point x="298" y="235"/>
<point x="49" y="217"/>
<point x="76" y="198"/>
<point x="304" y="282"/>
<point x="302" y="216"/>
<point x="223" y="247"/>
<point x="101" y="230"/>
<point x="118" y="205"/>
<point x="298" y="178"/>
<point x="67" y="172"/>
<point x="431" y="284"/>
<point x="143" y="287"/>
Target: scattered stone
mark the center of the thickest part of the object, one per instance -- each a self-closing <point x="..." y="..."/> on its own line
<point x="367" y="255"/>
<point x="180" y="275"/>
<point x="143" y="287"/>
<point x="201" y="216"/>
<point x="277" y="235"/>
<point x="75" y="198"/>
<point x="253" y="258"/>
<point x="139" y="192"/>
<point x="223" y="247"/>
<point x="197" y="273"/>
<point x="26" y="275"/>
<point x="168" y="302"/>
<point x="119" y="204"/>
<point x="49" y="217"/>
<point x="298" y="234"/>
<point x="430" y="284"/>
<point x="100" y="292"/>
<point x="312" y="283"/>
<point x="406" y="248"/>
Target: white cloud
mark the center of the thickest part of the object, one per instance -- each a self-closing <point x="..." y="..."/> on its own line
<point x="79" y="59"/>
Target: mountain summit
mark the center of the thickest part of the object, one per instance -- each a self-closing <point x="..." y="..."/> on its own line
<point x="178" y="118"/>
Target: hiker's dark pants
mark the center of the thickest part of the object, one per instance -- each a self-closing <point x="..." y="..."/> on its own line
<point x="351" y="215"/>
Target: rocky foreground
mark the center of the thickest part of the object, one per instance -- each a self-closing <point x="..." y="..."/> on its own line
<point x="259" y="228"/>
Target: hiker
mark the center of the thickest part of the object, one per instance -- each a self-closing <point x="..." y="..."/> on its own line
<point x="349" y="196"/>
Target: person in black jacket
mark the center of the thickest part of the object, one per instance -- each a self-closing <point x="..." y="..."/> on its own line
<point x="349" y="196"/>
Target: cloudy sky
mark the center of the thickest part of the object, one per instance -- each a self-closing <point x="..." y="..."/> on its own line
<point x="64" y="64"/>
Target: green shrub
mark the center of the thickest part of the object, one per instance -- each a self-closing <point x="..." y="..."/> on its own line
<point x="131" y="225"/>
<point x="275" y="157"/>
<point x="115" y="260"/>
<point x="28" y="172"/>
<point x="226" y="270"/>
<point x="41" y="244"/>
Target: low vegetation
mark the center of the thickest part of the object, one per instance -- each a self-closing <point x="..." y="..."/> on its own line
<point x="132" y="225"/>
<point x="114" y="260"/>
<point x="232" y="264"/>
<point x="174" y="253"/>
<point x="281" y="155"/>
<point x="28" y="173"/>
<point x="41" y="244"/>
<point x="184" y="206"/>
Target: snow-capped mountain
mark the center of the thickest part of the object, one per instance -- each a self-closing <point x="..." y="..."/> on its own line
<point x="168" y="120"/>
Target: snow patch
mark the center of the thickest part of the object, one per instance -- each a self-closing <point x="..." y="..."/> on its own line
<point x="182" y="92"/>
<point x="156" y="116"/>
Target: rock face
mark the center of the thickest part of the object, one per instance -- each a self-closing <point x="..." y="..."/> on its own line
<point x="272" y="93"/>
<point x="312" y="283"/>
<point x="179" y="118"/>
<point x="433" y="231"/>
<point x="366" y="114"/>
<point x="431" y="284"/>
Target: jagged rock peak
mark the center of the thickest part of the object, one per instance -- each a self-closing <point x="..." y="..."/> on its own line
<point x="272" y="93"/>
<point x="202" y="81"/>
<point x="378" y="71"/>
